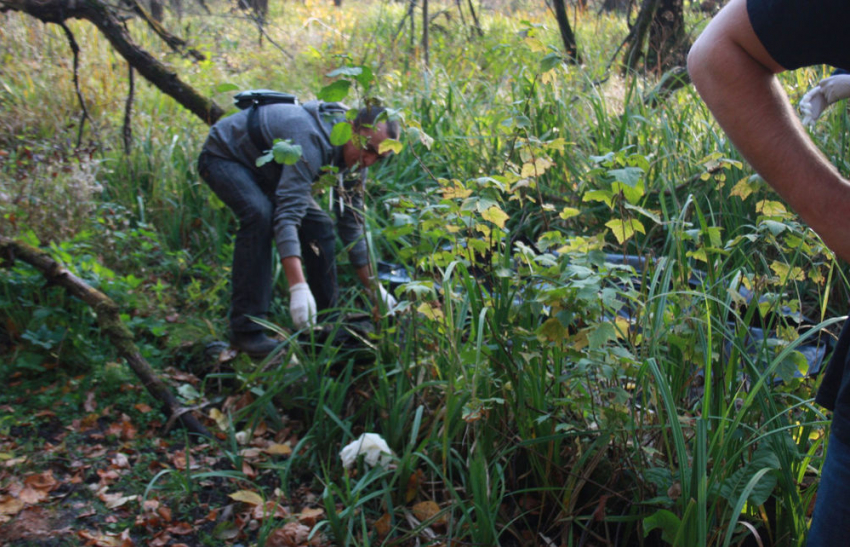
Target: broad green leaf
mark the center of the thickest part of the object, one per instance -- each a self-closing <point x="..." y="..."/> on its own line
<point x="336" y="91"/>
<point x="341" y="133"/>
<point x="264" y="159"/>
<point x="793" y="363"/>
<point x="630" y="176"/>
<point x="773" y="226"/>
<point x="390" y="145"/>
<point x="345" y="71"/>
<point x="225" y="87"/>
<point x="550" y="61"/>
<point x="667" y="521"/>
<point x="599" y="195"/>
<point x="601" y="335"/>
<point x="625" y="229"/>
<point x="733" y="487"/>
<point x="365" y="78"/>
<point x="647" y="213"/>
<point x="286" y="153"/>
<point x="495" y="215"/>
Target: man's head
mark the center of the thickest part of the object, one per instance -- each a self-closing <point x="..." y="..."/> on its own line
<point x="371" y="127"/>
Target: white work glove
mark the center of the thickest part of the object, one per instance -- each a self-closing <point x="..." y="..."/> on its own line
<point x="818" y="98"/>
<point x="302" y="306"/>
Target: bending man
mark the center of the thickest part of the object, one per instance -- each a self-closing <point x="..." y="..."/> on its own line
<point x="275" y="203"/>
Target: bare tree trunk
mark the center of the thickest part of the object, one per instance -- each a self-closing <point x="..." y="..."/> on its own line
<point x="668" y="42"/>
<point x="567" y="35"/>
<point x="109" y="320"/>
<point x="658" y="36"/>
<point x="105" y="19"/>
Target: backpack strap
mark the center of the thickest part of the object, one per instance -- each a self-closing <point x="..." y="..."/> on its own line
<point x="254" y="99"/>
<point x="254" y="130"/>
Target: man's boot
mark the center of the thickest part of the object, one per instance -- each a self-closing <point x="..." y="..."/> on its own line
<point x="255" y="343"/>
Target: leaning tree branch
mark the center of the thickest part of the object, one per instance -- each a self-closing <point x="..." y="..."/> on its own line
<point x="109" y="320"/>
<point x="105" y="19"/>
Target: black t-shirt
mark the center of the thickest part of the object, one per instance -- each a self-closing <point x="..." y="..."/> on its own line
<point x="800" y="33"/>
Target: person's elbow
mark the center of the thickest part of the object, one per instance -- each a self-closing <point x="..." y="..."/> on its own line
<point x="701" y="62"/>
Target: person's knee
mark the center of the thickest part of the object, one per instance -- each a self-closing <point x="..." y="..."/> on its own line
<point x="256" y="213"/>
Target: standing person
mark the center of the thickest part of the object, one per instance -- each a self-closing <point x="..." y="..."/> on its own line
<point x="733" y="66"/>
<point x="274" y="203"/>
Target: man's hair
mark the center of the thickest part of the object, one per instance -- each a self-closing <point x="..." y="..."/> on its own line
<point x="372" y="114"/>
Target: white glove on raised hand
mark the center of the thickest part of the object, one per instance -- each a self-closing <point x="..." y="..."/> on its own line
<point x="302" y="306"/>
<point x="818" y="98"/>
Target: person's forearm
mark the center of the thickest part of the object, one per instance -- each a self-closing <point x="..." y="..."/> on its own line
<point x="292" y="270"/>
<point x="364" y="274"/>
<point x="735" y="77"/>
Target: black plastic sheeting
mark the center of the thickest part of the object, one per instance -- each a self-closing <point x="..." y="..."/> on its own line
<point x="815" y="352"/>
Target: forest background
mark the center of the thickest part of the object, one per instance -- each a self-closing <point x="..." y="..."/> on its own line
<point x="609" y="328"/>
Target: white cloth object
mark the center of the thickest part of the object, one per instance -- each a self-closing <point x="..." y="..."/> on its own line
<point x="818" y="98"/>
<point x="372" y="445"/>
<point x="302" y="306"/>
<point x="388" y="299"/>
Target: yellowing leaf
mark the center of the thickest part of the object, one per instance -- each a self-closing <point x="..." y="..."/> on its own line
<point x="455" y="191"/>
<point x="743" y="188"/>
<point x="625" y="229"/>
<point x="536" y="168"/>
<point x="431" y="312"/>
<point x="390" y="145"/>
<point x="427" y="510"/>
<point x="247" y="496"/>
<point x="220" y="418"/>
<point x="785" y="272"/>
<point x="495" y="215"/>
<point x="10" y="506"/>
<point x="699" y="254"/>
<point x="771" y="208"/>
<point x="569" y="212"/>
<point x="383" y="525"/>
<point x="279" y="449"/>
<point x="553" y="330"/>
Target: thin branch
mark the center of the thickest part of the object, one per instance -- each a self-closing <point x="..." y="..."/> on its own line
<point x="255" y="17"/>
<point x="75" y="49"/>
<point x="175" y="43"/>
<point x="128" y="110"/>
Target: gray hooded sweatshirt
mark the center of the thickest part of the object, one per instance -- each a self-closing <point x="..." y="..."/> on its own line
<point x="308" y="125"/>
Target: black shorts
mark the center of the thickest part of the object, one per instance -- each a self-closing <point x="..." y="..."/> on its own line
<point x="800" y="33"/>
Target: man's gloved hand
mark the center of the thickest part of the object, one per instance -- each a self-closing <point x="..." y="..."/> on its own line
<point x="302" y="306"/>
<point x="818" y="98"/>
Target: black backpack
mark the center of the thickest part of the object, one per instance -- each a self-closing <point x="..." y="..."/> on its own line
<point x="254" y="99"/>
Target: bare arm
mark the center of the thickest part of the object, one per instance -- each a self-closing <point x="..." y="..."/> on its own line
<point x="734" y="74"/>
